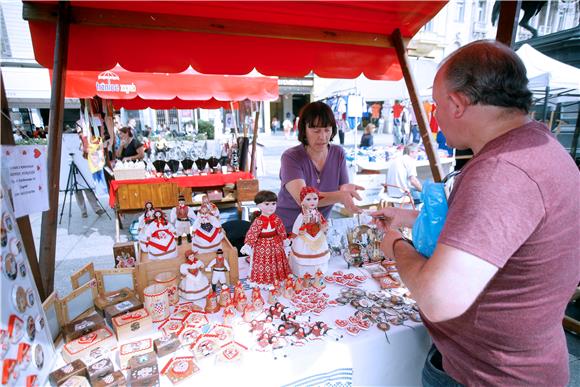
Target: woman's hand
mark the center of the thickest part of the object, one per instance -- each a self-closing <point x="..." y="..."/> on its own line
<point x="348" y="192"/>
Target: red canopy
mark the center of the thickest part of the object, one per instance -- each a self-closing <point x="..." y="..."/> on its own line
<point x="185" y="90"/>
<point x="139" y="103"/>
<point x="332" y="38"/>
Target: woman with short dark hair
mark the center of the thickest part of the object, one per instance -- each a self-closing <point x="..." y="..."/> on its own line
<point x="316" y="163"/>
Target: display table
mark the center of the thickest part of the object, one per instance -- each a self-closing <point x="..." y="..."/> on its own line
<point x="366" y="359"/>
<point x="423" y="168"/>
<point x="163" y="192"/>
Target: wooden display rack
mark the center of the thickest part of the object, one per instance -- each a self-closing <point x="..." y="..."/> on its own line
<point x="147" y="269"/>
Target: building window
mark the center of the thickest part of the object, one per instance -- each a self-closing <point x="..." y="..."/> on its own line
<point x="460" y="11"/>
<point x="429" y="26"/>
<point x="481" y="8"/>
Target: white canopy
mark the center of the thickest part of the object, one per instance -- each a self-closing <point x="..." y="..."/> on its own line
<point x="545" y="71"/>
<point x="423" y="69"/>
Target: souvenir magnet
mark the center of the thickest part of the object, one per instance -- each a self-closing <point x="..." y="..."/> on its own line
<point x="3" y="237"/>
<point x="40" y="323"/>
<point x="15" y="246"/>
<point x="8" y="223"/>
<point x="30" y="328"/>
<point x="15" y="328"/>
<point x="30" y="297"/>
<point x="19" y="298"/>
<point x="10" y="267"/>
<point x="4" y="343"/>
<point x="22" y="269"/>
<point x="38" y="356"/>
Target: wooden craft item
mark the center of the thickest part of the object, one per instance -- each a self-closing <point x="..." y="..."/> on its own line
<point x="101" y="302"/>
<point x="125" y="254"/>
<point x="232" y="351"/>
<point x="205" y="345"/>
<point x="99" y="369"/>
<point x="78" y="303"/>
<point x="82" y="326"/>
<point x="95" y="355"/>
<point x="115" y="379"/>
<point x="166" y="345"/>
<point x="76" y="381"/>
<point x="59" y="376"/>
<point x="132" y="324"/>
<point x="180" y="368"/>
<point x="135" y="348"/>
<point x="113" y="280"/>
<point x="146" y="360"/>
<point x="156" y="301"/>
<point x="130" y="305"/>
<point x="52" y="317"/>
<point x="81" y="347"/>
<point x="171" y="327"/>
<point x="82" y="276"/>
<point x="146" y="376"/>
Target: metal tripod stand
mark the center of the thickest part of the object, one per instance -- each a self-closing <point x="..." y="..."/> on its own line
<point x="72" y="187"/>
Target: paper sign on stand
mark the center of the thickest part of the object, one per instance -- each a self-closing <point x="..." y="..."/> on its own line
<point x="26" y="168"/>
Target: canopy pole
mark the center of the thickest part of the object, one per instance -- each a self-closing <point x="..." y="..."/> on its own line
<point x="254" y="144"/>
<point x="507" y="25"/>
<point x="24" y="221"/>
<point x="49" y="218"/>
<point x="420" y="114"/>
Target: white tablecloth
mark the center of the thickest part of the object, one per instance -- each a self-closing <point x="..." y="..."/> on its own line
<point x="369" y="359"/>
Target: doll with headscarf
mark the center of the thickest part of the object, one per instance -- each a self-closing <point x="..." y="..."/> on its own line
<point x="207" y="232"/>
<point x="194" y="284"/>
<point x="160" y="237"/>
<point x="264" y="243"/>
<point x="144" y="219"/>
<point x="310" y="250"/>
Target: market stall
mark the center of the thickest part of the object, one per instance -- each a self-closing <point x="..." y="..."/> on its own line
<point x="280" y="39"/>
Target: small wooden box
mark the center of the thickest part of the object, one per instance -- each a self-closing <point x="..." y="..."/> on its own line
<point x="82" y="326"/>
<point x="80" y="347"/>
<point x="100" y="368"/>
<point x="130" y="325"/>
<point x="166" y="345"/>
<point x="101" y="302"/>
<point x="116" y="379"/>
<point x="130" y="305"/>
<point x="146" y="360"/>
<point x="135" y="348"/>
<point x="76" y="381"/>
<point x="75" y="368"/>
<point x="146" y="376"/>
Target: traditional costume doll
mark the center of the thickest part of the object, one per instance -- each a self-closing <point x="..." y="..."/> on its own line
<point x="241" y="302"/>
<point x="219" y="267"/>
<point x="207" y="232"/>
<point x="182" y="216"/>
<point x="194" y="284"/>
<point x="211" y="303"/>
<point x="160" y="238"/>
<point x="264" y="243"/>
<point x="213" y="209"/>
<point x="229" y="314"/>
<point x="310" y="250"/>
<point x="225" y="296"/>
<point x="238" y="291"/>
<point x="144" y="220"/>
<point x="257" y="299"/>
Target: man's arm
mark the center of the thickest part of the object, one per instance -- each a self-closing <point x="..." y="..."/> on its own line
<point x="445" y="285"/>
<point x="415" y="183"/>
<point x="345" y="194"/>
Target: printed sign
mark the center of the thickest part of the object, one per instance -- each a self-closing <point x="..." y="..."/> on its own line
<point x="26" y="168"/>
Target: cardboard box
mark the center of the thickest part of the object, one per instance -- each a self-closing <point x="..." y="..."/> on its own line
<point x="135" y="348"/>
<point x="130" y="305"/>
<point x="130" y="325"/>
<point x="115" y="379"/>
<point x="76" y="381"/>
<point x="100" y="368"/>
<point x="101" y="302"/>
<point x="146" y="376"/>
<point x="166" y="345"/>
<point x="75" y="368"/>
<point x="82" y="326"/>
<point x="82" y="346"/>
<point x="146" y="360"/>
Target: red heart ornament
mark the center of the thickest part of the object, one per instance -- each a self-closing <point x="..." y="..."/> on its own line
<point x="37" y="153"/>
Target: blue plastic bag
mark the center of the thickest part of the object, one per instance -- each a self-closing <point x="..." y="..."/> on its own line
<point x="431" y="219"/>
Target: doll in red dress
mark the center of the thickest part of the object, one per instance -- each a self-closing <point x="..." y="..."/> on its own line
<point x="264" y="243"/>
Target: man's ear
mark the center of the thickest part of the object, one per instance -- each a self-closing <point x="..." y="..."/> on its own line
<point x="459" y="103"/>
